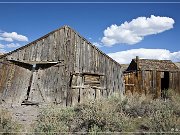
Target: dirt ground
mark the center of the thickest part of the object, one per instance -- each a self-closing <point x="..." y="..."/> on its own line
<point x="24" y="115"/>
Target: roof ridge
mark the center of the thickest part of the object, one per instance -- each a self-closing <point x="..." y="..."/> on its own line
<point x="153" y="59"/>
<point x="24" y="46"/>
<point x="64" y="26"/>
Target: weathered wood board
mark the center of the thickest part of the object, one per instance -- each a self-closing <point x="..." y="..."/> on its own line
<point x="68" y="70"/>
<point x="150" y="82"/>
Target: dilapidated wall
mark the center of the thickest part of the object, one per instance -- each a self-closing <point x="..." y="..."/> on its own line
<point x="61" y="68"/>
<point x="48" y="79"/>
<point x="150" y="76"/>
<point x="96" y="74"/>
<point x="151" y="82"/>
<point x="14" y="81"/>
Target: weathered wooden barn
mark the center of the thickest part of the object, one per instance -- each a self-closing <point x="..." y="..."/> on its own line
<point x="145" y="76"/>
<point x="60" y="68"/>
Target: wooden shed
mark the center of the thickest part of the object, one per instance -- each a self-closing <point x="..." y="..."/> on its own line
<point x="61" y="68"/>
<point x="145" y="76"/>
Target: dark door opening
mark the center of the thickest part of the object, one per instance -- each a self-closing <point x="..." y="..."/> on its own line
<point x="164" y="84"/>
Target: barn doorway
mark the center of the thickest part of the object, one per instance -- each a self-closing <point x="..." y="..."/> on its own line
<point x="164" y="84"/>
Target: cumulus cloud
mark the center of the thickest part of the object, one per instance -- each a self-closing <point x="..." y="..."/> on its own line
<point x="125" y="57"/>
<point x="134" y="31"/>
<point x="13" y="45"/>
<point x="6" y="39"/>
<point x="6" y="46"/>
<point x="10" y="37"/>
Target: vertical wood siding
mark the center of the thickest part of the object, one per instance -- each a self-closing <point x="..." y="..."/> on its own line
<point x="52" y="83"/>
<point x="149" y="82"/>
<point x="88" y="59"/>
<point x="14" y="81"/>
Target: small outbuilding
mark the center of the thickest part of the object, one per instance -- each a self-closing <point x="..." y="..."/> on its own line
<point x="146" y="76"/>
<point x="61" y="68"/>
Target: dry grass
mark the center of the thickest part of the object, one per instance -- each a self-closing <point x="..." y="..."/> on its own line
<point x="7" y="125"/>
<point x="132" y="114"/>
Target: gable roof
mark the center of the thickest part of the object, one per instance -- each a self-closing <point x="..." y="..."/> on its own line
<point x="159" y="65"/>
<point x="29" y="44"/>
<point x="65" y="26"/>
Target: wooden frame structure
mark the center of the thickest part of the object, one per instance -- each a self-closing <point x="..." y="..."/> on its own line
<point x="153" y="77"/>
<point x="61" y="68"/>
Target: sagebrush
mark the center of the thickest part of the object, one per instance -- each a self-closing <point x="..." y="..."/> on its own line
<point x="132" y="114"/>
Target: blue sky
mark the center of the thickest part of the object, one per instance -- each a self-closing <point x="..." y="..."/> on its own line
<point x="91" y="20"/>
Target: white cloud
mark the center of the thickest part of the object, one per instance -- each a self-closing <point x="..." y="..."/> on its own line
<point x="12" y="36"/>
<point x="97" y="44"/>
<point x="1" y="46"/>
<point x="13" y="45"/>
<point x="125" y="57"/>
<point x="134" y="31"/>
<point x="2" y="51"/>
<point x="6" y="39"/>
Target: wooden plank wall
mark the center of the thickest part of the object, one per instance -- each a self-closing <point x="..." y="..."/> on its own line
<point x="13" y="82"/>
<point x="175" y="81"/>
<point x="75" y="55"/>
<point x="51" y="82"/>
<point x="149" y="82"/>
<point x="90" y="60"/>
<point x="141" y="82"/>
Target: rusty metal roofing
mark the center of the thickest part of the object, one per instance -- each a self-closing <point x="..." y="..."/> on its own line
<point x="159" y="65"/>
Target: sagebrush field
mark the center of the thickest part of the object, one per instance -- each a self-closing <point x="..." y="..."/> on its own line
<point x="132" y="114"/>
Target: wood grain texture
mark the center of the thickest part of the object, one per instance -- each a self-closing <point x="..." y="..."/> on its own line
<point x="65" y="65"/>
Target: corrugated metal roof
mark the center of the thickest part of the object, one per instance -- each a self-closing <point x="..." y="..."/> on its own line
<point x="160" y="65"/>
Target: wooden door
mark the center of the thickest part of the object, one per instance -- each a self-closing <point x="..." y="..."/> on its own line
<point x="48" y="85"/>
<point x="14" y="80"/>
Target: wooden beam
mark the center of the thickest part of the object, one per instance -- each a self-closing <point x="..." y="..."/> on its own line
<point x="129" y="84"/>
<point x="85" y="87"/>
<point x="78" y="87"/>
<point x="95" y="87"/>
<point x="37" y="62"/>
<point x="88" y="73"/>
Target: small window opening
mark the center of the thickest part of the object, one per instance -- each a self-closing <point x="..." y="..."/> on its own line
<point x="92" y="80"/>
